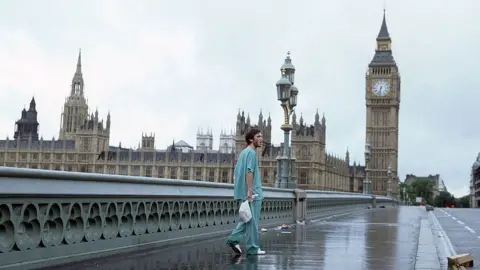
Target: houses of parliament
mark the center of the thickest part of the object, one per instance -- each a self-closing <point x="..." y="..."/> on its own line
<point x="83" y="141"/>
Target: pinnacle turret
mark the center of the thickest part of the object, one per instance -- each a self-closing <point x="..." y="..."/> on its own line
<point x="383" y="34"/>
<point x="383" y="52"/>
<point x="77" y="81"/>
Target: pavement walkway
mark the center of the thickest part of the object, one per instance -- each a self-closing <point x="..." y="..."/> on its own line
<point x="383" y="238"/>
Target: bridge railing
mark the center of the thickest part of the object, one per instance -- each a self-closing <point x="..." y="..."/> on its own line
<point x="53" y="217"/>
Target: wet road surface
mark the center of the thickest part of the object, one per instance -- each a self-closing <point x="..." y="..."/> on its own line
<point x="462" y="226"/>
<point x="384" y="238"/>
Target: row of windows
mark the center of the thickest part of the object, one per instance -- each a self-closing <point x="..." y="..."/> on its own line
<point x="12" y="156"/>
<point x="82" y="158"/>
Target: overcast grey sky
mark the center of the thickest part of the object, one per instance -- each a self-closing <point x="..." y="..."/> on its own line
<point x="170" y="67"/>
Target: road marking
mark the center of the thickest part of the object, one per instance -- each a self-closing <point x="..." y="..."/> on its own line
<point x="449" y="250"/>
<point x="470" y="229"/>
<point x="460" y="222"/>
<point x="445" y="212"/>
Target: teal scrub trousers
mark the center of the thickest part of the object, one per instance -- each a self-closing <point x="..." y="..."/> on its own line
<point x="250" y="229"/>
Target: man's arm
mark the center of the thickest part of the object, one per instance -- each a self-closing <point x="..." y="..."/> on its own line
<point x="251" y="161"/>
<point x="249" y="179"/>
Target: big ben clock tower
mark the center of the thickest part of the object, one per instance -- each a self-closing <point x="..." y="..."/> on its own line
<point x="382" y="98"/>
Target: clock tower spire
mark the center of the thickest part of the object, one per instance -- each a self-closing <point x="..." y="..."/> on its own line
<point x="382" y="100"/>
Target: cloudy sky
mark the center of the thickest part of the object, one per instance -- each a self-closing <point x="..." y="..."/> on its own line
<point x="171" y="67"/>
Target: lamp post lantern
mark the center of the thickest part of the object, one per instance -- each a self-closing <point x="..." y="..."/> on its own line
<point x="367" y="184"/>
<point x="287" y="94"/>
<point x="389" y="188"/>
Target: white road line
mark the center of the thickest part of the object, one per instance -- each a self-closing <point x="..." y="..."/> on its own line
<point x="449" y="250"/>
<point x="446" y="213"/>
<point x="470" y="229"/>
<point x="466" y="227"/>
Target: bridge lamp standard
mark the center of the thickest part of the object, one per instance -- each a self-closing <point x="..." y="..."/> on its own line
<point x="287" y="94"/>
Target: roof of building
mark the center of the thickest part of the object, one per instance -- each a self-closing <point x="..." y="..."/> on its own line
<point x="181" y="143"/>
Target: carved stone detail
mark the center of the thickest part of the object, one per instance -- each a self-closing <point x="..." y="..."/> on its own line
<point x="45" y="224"/>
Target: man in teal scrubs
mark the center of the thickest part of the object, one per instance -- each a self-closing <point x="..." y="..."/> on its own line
<point x="248" y="186"/>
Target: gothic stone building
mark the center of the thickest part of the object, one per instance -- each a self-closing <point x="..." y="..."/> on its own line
<point x="382" y="96"/>
<point x="316" y="169"/>
<point x="83" y="146"/>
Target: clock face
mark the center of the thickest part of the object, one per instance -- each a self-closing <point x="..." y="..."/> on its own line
<point x="381" y="87"/>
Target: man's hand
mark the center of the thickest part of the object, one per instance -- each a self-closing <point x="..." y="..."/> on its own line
<point x="249" y="195"/>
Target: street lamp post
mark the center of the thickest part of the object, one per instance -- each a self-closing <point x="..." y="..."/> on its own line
<point x="367" y="185"/>
<point x="389" y="188"/>
<point x="287" y="94"/>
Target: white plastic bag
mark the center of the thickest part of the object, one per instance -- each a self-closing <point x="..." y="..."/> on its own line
<point x="245" y="213"/>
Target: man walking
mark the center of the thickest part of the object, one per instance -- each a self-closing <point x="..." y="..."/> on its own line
<point x="248" y="186"/>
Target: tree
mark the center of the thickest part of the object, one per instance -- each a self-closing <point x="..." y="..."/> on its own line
<point x="402" y="195"/>
<point x="445" y="199"/>
<point x="410" y="194"/>
<point x="464" y="202"/>
<point x="424" y="188"/>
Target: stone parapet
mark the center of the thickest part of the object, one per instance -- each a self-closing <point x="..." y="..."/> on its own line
<point x="53" y="217"/>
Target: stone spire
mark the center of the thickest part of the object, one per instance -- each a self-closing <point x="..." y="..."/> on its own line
<point x="77" y="81"/>
<point x="383" y="52"/>
<point x="383" y="34"/>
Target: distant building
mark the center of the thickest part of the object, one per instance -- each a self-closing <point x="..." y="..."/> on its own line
<point x="475" y="184"/>
<point x="204" y="140"/>
<point x="183" y="147"/>
<point x="438" y="184"/>
<point x="226" y="142"/>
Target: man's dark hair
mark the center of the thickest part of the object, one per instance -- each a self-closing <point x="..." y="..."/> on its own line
<point x="251" y="134"/>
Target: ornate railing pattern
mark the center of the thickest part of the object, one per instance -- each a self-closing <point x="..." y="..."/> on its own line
<point x="51" y="217"/>
<point x="326" y="203"/>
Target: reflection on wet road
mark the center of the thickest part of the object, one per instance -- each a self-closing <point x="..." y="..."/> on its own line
<point x="372" y="239"/>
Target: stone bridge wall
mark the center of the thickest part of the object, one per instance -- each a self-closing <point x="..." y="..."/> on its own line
<point x="52" y="217"/>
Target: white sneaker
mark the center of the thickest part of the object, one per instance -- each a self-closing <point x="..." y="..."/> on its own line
<point x="259" y="252"/>
<point x="236" y="248"/>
